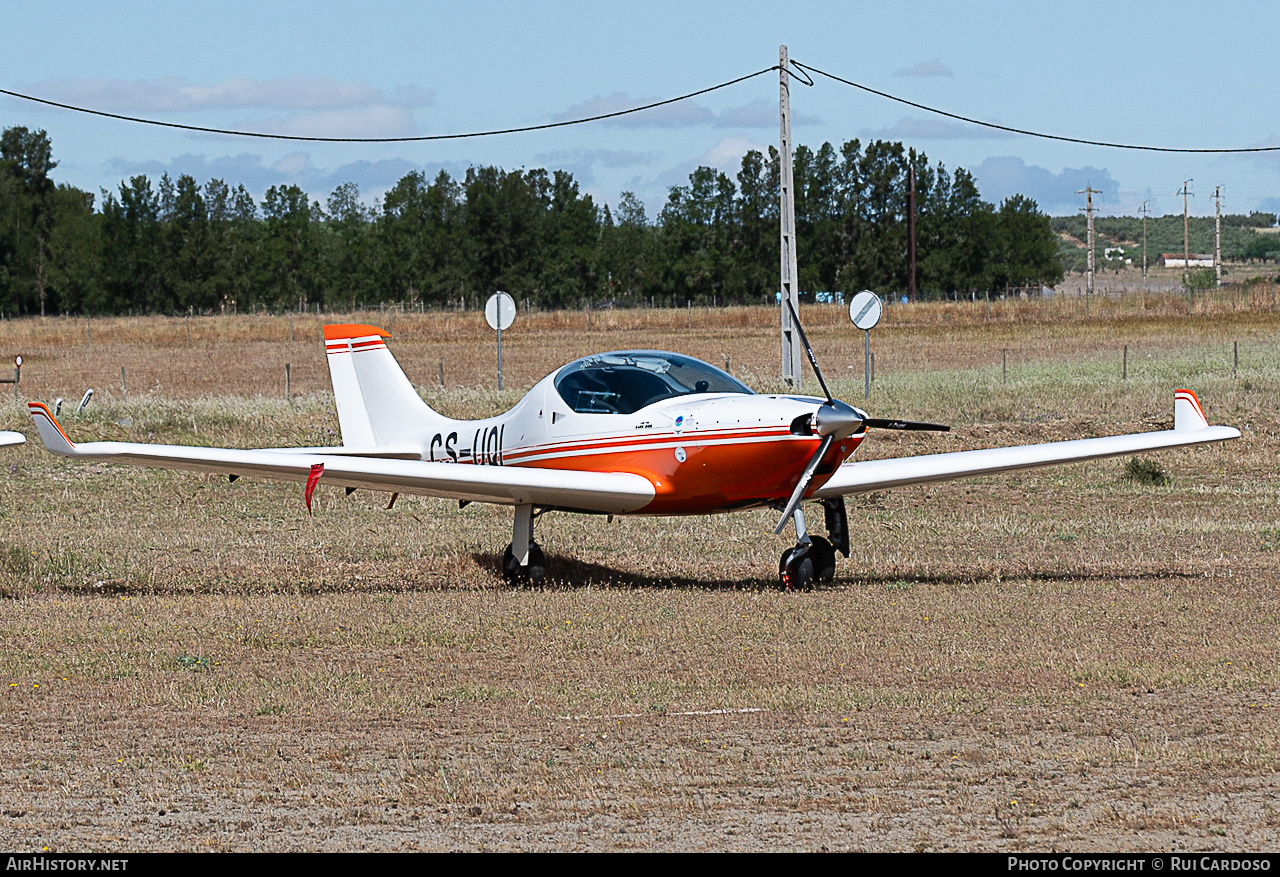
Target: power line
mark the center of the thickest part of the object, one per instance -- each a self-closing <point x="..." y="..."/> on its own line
<point x="264" y="136"/>
<point x="802" y="68"/>
<point x="1009" y="130"/>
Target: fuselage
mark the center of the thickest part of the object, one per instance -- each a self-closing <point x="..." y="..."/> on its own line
<point x="707" y="443"/>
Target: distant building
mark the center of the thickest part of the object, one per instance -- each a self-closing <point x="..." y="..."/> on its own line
<point x="1176" y="260"/>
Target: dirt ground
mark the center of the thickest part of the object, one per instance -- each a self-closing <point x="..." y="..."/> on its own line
<point x="1060" y="660"/>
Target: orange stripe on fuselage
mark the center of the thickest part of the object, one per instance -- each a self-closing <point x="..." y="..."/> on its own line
<point x="713" y="477"/>
<point x="632" y="441"/>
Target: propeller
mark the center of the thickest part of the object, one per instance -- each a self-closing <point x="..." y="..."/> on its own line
<point x="906" y="425"/>
<point x="835" y="420"/>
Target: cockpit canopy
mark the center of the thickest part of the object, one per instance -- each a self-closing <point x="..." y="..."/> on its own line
<point x="625" y="381"/>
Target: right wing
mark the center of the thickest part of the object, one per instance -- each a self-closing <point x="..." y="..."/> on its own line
<point x="604" y="492"/>
<point x="1189" y="428"/>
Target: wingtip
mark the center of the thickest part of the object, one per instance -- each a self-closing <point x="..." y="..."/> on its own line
<point x="51" y="433"/>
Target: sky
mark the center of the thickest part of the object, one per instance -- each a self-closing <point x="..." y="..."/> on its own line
<point x="1171" y="74"/>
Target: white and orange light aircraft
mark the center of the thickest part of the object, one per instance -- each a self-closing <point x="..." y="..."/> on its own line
<point x="633" y="432"/>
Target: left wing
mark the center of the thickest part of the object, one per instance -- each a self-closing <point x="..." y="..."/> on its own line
<point x="607" y="492"/>
<point x="11" y="438"/>
<point x="1189" y="428"/>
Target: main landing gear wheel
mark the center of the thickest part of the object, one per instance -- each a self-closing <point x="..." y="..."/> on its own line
<point x="824" y="558"/>
<point x="796" y="569"/>
<point x="535" y="572"/>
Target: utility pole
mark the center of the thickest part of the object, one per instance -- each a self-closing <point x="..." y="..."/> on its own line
<point x="911" y="232"/>
<point x="1186" y="236"/>
<point x="1217" y="233"/>
<point x="1144" y="212"/>
<point x="1089" y="192"/>
<point x="787" y="221"/>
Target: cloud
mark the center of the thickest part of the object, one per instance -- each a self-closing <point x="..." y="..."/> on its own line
<point x="911" y="128"/>
<point x="174" y="94"/>
<point x="373" y="177"/>
<point x="760" y="113"/>
<point x="727" y="154"/>
<point x="610" y="158"/>
<point x="1004" y="176"/>
<point x="370" y="121"/>
<point x="676" y="115"/>
<point x="925" y="68"/>
<point x="586" y="164"/>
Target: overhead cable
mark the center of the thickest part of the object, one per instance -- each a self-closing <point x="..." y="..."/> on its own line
<point x="265" y="136"/>
<point x="1005" y="128"/>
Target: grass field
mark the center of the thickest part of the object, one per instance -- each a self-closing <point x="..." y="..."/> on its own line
<point x="1065" y="659"/>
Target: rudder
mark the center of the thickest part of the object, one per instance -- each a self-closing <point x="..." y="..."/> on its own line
<point x="377" y="406"/>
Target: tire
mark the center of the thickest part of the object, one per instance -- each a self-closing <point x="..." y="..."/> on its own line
<point x="795" y="570"/>
<point x="535" y="572"/>
<point x="824" y="559"/>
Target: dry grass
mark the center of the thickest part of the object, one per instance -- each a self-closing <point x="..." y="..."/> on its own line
<point x="1059" y="659"/>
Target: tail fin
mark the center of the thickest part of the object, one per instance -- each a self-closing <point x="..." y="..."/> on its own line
<point x="1188" y="416"/>
<point x="50" y="432"/>
<point x="377" y="406"/>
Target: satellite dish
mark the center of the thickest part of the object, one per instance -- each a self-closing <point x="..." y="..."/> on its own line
<point x="865" y="310"/>
<point x="500" y="311"/>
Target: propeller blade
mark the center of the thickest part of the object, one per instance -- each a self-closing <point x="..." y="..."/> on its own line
<point x="813" y="360"/>
<point x="881" y="423"/>
<point x="803" y="484"/>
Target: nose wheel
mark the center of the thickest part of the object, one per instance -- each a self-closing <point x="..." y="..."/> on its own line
<point x="814" y="557"/>
<point x="795" y="570"/>
<point x="803" y="565"/>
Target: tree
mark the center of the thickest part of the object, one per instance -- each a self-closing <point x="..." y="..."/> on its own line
<point x="130" y="255"/>
<point x="1027" y="250"/>
<point x="26" y="210"/>
<point x="627" y="250"/>
<point x="287" y="269"/>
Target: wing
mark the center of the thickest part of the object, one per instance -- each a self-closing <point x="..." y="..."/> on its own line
<point x="11" y="438"/>
<point x="607" y="492"/>
<point x="1189" y="428"/>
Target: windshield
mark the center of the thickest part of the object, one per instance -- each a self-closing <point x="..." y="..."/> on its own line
<point x="626" y="381"/>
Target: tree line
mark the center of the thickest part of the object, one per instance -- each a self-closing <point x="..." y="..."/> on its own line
<point x="1242" y="238"/>
<point x="173" y="246"/>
